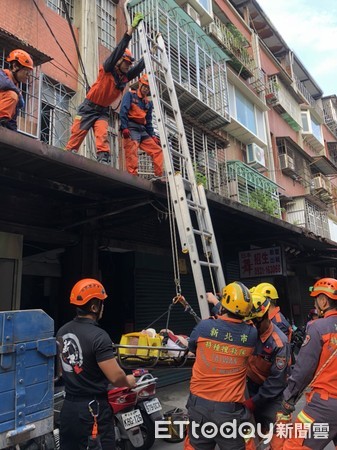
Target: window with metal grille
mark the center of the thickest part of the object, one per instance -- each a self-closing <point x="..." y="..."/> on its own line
<point x="57" y="5"/>
<point x="56" y="108"/>
<point x="106" y="19"/>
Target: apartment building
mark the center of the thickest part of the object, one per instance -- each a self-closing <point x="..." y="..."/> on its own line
<point x="261" y="134"/>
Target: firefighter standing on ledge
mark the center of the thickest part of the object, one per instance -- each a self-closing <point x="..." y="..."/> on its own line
<point x="112" y="78"/>
<point x="137" y="128"/>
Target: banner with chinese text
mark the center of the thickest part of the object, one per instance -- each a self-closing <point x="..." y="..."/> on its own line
<point x="261" y="262"/>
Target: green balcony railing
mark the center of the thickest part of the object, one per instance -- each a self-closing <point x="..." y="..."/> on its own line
<point x="249" y="187"/>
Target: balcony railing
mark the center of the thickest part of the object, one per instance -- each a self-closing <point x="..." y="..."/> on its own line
<point x="197" y="65"/>
<point x="305" y="214"/>
<point x="281" y="100"/>
<point x="309" y="99"/>
<point x="251" y="188"/>
<point x="234" y="46"/>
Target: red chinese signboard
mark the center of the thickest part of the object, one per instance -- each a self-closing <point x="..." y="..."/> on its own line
<point x="262" y="262"/>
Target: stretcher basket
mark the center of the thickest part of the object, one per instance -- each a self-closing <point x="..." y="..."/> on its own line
<point x="150" y="353"/>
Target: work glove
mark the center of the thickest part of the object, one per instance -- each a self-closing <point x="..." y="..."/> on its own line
<point x="156" y="140"/>
<point x="137" y="18"/>
<point x="126" y="133"/>
<point x="287" y="407"/>
<point x="249" y="404"/>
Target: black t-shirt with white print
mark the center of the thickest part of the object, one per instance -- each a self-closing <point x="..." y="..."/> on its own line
<point x="82" y="345"/>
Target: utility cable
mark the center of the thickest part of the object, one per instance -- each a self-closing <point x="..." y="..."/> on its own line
<point x="80" y="60"/>
<point x="55" y="38"/>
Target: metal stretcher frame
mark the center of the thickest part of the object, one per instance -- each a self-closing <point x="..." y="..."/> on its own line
<point x="158" y="357"/>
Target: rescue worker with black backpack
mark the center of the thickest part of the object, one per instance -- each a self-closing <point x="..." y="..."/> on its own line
<point x="88" y="365"/>
<point x="222" y="346"/>
<point x="316" y="366"/>
<point x="267" y="370"/>
<point x="11" y="99"/>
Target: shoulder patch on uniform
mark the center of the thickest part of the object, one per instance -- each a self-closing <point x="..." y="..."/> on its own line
<point x="306" y="340"/>
<point x="280" y="362"/>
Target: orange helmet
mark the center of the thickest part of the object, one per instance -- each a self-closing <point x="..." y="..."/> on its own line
<point x="86" y="289"/>
<point x="21" y="57"/>
<point x="127" y="56"/>
<point x="144" y="79"/>
<point x="327" y="286"/>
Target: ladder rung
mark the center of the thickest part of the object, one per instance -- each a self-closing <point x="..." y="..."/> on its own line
<point x="194" y="205"/>
<point x="176" y="153"/>
<point x="208" y="264"/>
<point x="202" y="233"/>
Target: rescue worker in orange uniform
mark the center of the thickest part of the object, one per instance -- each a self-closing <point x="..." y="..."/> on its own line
<point x="269" y="291"/>
<point x="267" y="370"/>
<point x="11" y="99"/>
<point x="316" y="366"/>
<point x="222" y="347"/>
<point x="88" y="365"/>
<point x="137" y="129"/>
<point x="112" y="78"/>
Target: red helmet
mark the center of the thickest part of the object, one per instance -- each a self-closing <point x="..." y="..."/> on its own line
<point x="326" y="286"/>
<point x="127" y="56"/>
<point x="144" y="79"/>
<point x="21" y="57"/>
<point x="86" y="289"/>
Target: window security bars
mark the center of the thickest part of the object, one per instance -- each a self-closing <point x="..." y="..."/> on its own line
<point x="57" y="6"/>
<point x="106" y="19"/>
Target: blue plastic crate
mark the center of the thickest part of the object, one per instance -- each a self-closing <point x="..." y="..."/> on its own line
<point x="27" y="356"/>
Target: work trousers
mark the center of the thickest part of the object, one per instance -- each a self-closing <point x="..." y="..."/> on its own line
<point x="319" y="411"/>
<point x="266" y="414"/>
<point x="140" y="139"/>
<point x="90" y="115"/>
<point x="76" y="424"/>
<point x="201" y="412"/>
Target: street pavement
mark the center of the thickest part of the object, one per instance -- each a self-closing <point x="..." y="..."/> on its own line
<point x="175" y="396"/>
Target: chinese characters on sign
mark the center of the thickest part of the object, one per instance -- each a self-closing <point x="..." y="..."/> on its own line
<point x="261" y="262"/>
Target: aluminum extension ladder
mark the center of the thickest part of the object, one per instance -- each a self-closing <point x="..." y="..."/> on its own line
<point x="189" y="199"/>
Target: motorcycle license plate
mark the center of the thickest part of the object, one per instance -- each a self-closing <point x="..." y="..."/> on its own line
<point x="132" y="419"/>
<point x="152" y="406"/>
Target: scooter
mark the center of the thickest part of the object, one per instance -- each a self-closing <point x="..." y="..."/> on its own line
<point x="128" y="418"/>
<point x="149" y="405"/>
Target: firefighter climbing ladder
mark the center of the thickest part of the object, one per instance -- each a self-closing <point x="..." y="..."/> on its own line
<point x="189" y="199"/>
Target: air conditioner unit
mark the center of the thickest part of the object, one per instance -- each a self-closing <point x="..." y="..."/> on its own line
<point x="319" y="182"/>
<point x="255" y="156"/>
<point x="286" y="162"/>
<point x="193" y="13"/>
<point x="215" y="31"/>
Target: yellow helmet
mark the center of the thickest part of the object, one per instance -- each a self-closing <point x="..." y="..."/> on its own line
<point x="237" y="299"/>
<point x="261" y="305"/>
<point x="267" y="290"/>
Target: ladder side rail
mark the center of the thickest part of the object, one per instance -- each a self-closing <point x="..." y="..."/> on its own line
<point x="219" y="275"/>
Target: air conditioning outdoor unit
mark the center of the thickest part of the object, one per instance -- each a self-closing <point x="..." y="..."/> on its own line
<point x="286" y="162"/>
<point x="319" y="182"/>
<point x="255" y="156"/>
<point x="193" y="13"/>
<point x="215" y="31"/>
